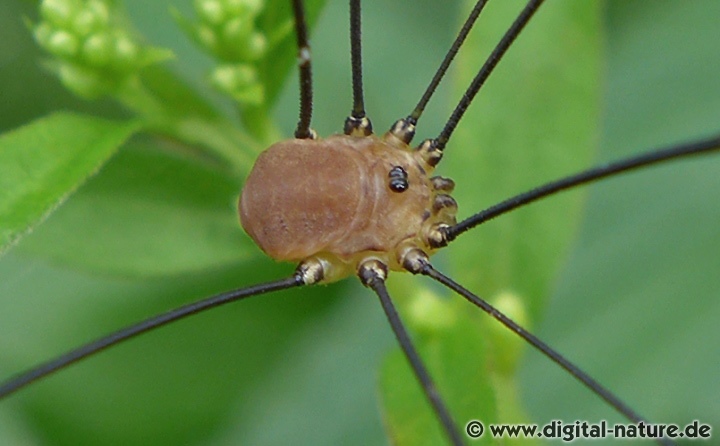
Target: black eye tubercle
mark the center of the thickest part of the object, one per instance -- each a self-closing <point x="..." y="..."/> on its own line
<point x="398" y="179"/>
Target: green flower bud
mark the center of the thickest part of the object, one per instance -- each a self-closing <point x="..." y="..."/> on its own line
<point x="242" y="42"/>
<point x="239" y="81"/>
<point x="250" y="95"/>
<point x="207" y="38"/>
<point x="237" y="30"/>
<point x="210" y="11"/>
<point x="226" y="29"/>
<point x="63" y="44"/>
<point x="98" y="49"/>
<point x="94" y="55"/>
<point x="255" y="47"/>
<point x="84" y="83"/>
<point x="42" y="34"/>
<point x="241" y="7"/>
<point x="100" y="10"/>
<point x="59" y="12"/>
<point x="85" y="22"/>
<point x="127" y="52"/>
<point x="231" y="77"/>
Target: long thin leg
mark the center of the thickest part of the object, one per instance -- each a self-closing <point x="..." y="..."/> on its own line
<point x="596" y="173"/>
<point x="545" y="349"/>
<point x="404" y="128"/>
<point x="442" y="69"/>
<point x="303" y="130"/>
<point x="23" y="379"/>
<point x="373" y="274"/>
<point x="357" y="123"/>
<point x="523" y="18"/>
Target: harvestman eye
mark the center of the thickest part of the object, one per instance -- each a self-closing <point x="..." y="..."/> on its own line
<point x="398" y="179"/>
<point x="383" y="214"/>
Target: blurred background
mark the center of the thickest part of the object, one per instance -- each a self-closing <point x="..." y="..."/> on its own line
<point x="634" y="302"/>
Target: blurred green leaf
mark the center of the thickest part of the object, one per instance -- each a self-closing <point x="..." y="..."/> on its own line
<point x="450" y="341"/>
<point x="535" y="120"/>
<point x="137" y="210"/>
<point x="491" y="157"/>
<point x="637" y="303"/>
<point x="189" y="376"/>
<point x="45" y="161"/>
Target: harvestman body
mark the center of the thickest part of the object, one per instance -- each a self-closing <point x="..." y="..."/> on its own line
<point x="369" y="198"/>
<point x="370" y="205"/>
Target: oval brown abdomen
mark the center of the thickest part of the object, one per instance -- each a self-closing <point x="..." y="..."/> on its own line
<point x="305" y="197"/>
<point x="300" y="196"/>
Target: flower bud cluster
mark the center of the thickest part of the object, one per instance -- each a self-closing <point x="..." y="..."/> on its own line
<point x="93" y="56"/>
<point x="227" y="30"/>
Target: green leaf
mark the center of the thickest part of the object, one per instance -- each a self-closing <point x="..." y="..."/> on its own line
<point x="138" y="209"/>
<point x="537" y="118"/>
<point x="196" y="374"/>
<point x="637" y="304"/>
<point x="450" y="341"/>
<point x="45" y="161"/>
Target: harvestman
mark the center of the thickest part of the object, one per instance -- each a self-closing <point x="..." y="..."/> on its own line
<point x="336" y="226"/>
